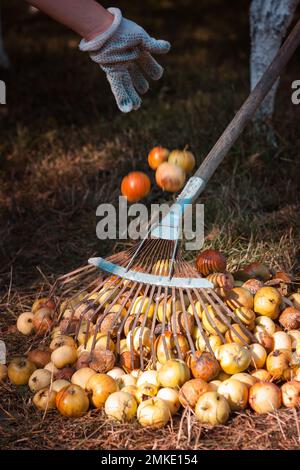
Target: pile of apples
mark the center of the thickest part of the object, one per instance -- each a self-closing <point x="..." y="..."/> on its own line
<point x="171" y="170"/>
<point x="72" y="376"/>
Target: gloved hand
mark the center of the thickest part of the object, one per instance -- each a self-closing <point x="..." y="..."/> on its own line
<point x="124" y="52"/>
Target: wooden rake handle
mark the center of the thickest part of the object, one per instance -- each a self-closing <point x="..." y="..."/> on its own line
<point x="247" y="111"/>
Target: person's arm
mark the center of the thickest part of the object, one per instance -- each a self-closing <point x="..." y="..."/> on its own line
<point x="85" y="17"/>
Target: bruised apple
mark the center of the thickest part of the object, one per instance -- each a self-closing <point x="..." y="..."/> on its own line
<point x="204" y="366"/>
<point x="191" y="391"/>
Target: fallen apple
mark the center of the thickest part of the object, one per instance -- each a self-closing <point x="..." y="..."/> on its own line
<point x="167" y="348"/>
<point x="45" y="399"/>
<point x="43" y="302"/>
<point x="210" y="261"/>
<point x="153" y="412"/>
<point x="267" y="302"/>
<point x="145" y="391"/>
<point x="25" y="323"/>
<point x="258" y="355"/>
<point x="82" y="376"/>
<point x="174" y="373"/>
<point x="42" y="321"/>
<point x="263" y="323"/>
<point x="149" y="376"/>
<point x="121" y="406"/>
<point x="39" y="379"/>
<point x="295" y="298"/>
<point x="170" y="177"/>
<point x="282" y="340"/>
<point x="170" y="396"/>
<point x="184" y="159"/>
<point x="291" y="394"/>
<point x="290" y="318"/>
<point x="212" y="408"/>
<point x="40" y="357"/>
<point x="239" y="297"/>
<point x="246" y="379"/>
<point x="64" y="356"/>
<point x="191" y="391"/>
<point x="116" y="373"/>
<point x="264" y="397"/>
<point x="100" y="387"/>
<point x="262" y="375"/>
<point x="19" y="370"/>
<point x="72" y="401"/>
<point x="59" y="384"/>
<point x="157" y="156"/>
<point x="204" y="366"/>
<point x="235" y="392"/>
<point x="62" y="340"/>
<point x="233" y="358"/>
<point x="51" y="367"/>
<point x="277" y="363"/>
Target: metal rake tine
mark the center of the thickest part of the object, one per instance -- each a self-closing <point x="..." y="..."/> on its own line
<point x="96" y="311"/>
<point x="199" y="324"/>
<point x="120" y="328"/>
<point x="152" y="336"/>
<point x="173" y="320"/>
<point x="143" y="326"/>
<point x="171" y="270"/>
<point x="164" y="324"/>
<point x="73" y="275"/>
<point x="210" y="319"/>
<point x="118" y="314"/>
<point x="191" y="343"/>
<point x="135" y="321"/>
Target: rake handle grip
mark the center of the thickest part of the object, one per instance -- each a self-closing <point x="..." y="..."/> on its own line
<point x="247" y="111"/>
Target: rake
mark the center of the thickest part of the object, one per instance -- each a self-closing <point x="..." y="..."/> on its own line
<point x="148" y="299"/>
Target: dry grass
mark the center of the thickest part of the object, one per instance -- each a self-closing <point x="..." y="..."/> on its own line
<point x="64" y="148"/>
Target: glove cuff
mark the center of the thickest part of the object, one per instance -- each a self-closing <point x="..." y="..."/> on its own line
<point x="101" y="39"/>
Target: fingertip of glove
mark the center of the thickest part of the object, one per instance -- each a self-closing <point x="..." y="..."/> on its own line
<point x="158" y="73"/>
<point x="164" y="46"/>
<point x="125" y="106"/>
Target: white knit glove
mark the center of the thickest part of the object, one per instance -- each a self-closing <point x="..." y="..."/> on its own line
<point x="123" y="52"/>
